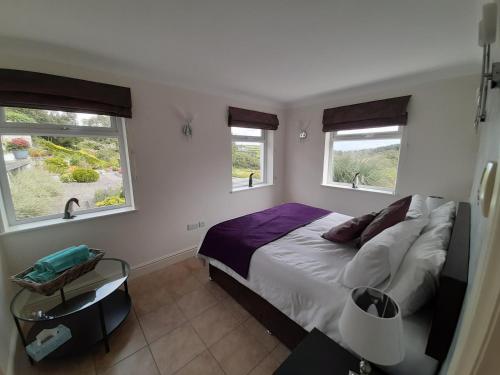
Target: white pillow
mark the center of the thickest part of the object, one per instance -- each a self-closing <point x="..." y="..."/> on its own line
<point x="444" y="214"/>
<point x="433" y="202"/>
<point x="381" y="257"/>
<point x="418" y="207"/>
<point x="416" y="281"/>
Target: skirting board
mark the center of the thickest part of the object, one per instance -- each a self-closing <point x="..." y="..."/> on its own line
<point x="12" y="351"/>
<point x="158" y="263"/>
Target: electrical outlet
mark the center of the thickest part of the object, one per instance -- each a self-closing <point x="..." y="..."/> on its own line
<point x="193" y="226"/>
<point x="201" y="224"/>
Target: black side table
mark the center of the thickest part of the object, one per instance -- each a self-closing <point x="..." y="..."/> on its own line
<point x="320" y="355"/>
<point x="92" y="307"/>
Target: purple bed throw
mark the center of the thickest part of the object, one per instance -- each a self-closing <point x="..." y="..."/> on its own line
<point x="233" y="242"/>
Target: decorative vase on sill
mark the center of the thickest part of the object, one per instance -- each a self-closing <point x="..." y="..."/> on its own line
<point x="19" y="147"/>
<point x="20" y="154"/>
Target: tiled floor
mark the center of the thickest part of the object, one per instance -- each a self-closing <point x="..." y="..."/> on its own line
<point x="182" y="324"/>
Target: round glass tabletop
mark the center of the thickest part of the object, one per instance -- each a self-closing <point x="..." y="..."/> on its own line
<point x="109" y="275"/>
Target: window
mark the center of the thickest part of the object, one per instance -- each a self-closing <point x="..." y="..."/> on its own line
<point x="372" y="153"/>
<point x="250" y="154"/>
<point x="48" y="157"/>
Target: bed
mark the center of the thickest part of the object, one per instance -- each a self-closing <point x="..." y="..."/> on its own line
<point x="293" y="286"/>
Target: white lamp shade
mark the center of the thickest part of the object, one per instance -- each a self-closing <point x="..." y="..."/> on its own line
<point x="376" y="339"/>
<point x="482" y="34"/>
<point x="490" y="22"/>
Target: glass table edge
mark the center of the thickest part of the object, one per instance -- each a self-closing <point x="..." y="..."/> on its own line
<point x="34" y="320"/>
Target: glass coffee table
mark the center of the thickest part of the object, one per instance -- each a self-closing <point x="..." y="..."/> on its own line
<point x="92" y="307"/>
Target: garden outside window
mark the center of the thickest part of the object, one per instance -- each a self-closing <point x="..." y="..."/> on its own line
<point x="371" y="154"/>
<point x="50" y="156"/>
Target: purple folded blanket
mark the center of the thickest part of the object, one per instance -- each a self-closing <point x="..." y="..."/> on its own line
<point x="233" y="242"/>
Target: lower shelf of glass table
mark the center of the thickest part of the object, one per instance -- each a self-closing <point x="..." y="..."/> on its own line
<point x="86" y="326"/>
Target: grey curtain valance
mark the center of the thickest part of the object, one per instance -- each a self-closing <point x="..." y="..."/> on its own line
<point x="246" y="118"/>
<point x="20" y="88"/>
<point x="374" y="114"/>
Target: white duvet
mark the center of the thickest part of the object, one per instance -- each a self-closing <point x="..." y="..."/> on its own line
<point x="300" y="275"/>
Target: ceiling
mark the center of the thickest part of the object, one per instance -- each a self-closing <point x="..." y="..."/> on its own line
<point x="276" y="49"/>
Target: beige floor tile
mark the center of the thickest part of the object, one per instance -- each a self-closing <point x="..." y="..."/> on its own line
<point x="266" y="367"/>
<point x="204" y="364"/>
<point x="216" y="290"/>
<point x="280" y="353"/>
<point x="258" y="331"/>
<point x="194" y="303"/>
<point x="238" y="353"/>
<point x="161" y="321"/>
<point x="141" y="362"/>
<point x="214" y="323"/>
<point x="238" y="310"/>
<point x="149" y="300"/>
<point x="125" y="341"/>
<point x="172" y="273"/>
<point x="138" y="284"/>
<point x="176" y="349"/>
<point x="193" y="264"/>
<point x="183" y="285"/>
<point x="79" y="365"/>
<point x="202" y="275"/>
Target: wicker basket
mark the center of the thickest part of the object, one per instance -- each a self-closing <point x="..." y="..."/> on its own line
<point x="61" y="280"/>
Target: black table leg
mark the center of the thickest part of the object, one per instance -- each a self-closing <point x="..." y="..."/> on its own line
<point x="103" y="327"/>
<point x="23" y="339"/>
<point x="63" y="297"/>
<point x="125" y="284"/>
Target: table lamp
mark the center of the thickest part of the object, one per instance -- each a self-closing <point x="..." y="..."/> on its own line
<point x="372" y="327"/>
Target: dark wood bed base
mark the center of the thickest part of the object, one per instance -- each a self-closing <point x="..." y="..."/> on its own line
<point x="448" y="301"/>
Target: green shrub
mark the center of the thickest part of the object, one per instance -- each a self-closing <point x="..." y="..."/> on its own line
<point x="102" y="194"/>
<point x="67" y="177"/>
<point x="66" y="153"/>
<point x="34" y="192"/>
<point x="111" y="201"/>
<point x="83" y="175"/>
<point x="56" y="165"/>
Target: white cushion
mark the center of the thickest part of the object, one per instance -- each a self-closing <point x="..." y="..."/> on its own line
<point x="418" y="207"/>
<point x="416" y="281"/>
<point x="434" y="202"/>
<point x="381" y="257"/>
<point x="444" y="214"/>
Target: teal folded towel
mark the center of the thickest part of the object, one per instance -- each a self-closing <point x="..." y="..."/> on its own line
<point x="48" y="267"/>
<point x="64" y="259"/>
<point x="40" y="276"/>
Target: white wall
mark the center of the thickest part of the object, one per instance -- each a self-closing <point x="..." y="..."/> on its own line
<point x="177" y="181"/>
<point x="6" y="322"/>
<point x="489" y="150"/>
<point x="440" y="151"/>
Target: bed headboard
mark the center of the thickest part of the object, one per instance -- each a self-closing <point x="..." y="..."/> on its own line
<point x="452" y="287"/>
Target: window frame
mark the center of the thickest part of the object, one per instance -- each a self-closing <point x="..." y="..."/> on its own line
<point x="328" y="165"/>
<point x="265" y="139"/>
<point x="116" y="130"/>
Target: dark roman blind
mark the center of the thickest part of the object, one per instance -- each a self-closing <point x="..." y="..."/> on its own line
<point x="20" y="88"/>
<point x="246" y="118"/>
<point x="374" y="114"/>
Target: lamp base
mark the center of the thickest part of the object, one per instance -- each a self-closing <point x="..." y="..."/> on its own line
<point x="364" y="368"/>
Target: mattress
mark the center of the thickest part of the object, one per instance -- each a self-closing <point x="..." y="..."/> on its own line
<point x="300" y="275"/>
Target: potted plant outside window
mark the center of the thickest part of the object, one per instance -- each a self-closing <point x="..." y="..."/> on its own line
<point x="19" y="147"/>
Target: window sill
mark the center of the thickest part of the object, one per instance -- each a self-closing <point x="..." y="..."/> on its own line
<point x="246" y="188"/>
<point x="54" y="222"/>
<point x="366" y="190"/>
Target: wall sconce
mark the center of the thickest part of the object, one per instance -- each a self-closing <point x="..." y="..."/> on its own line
<point x="187" y="130"/>
<point x="303" y="132"/>
<point x="487" y="36"/>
